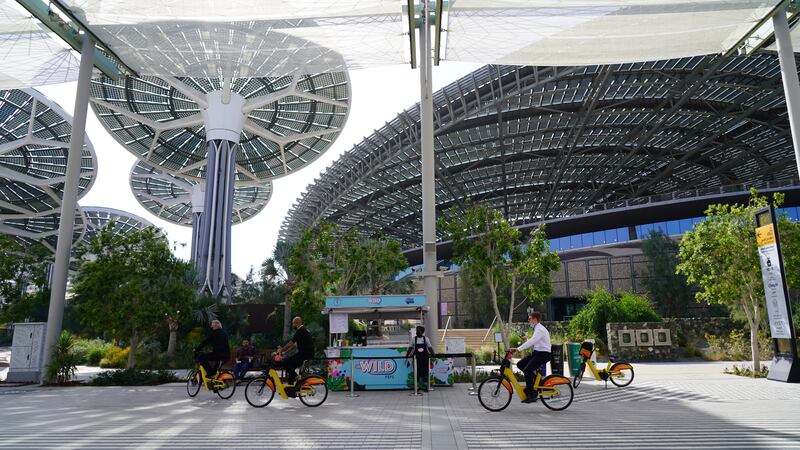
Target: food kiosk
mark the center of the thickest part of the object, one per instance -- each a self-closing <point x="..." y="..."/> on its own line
<point x="374" y="357"/>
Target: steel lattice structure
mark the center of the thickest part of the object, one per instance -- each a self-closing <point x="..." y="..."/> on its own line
<point x="28" y="231"/>
<point x="544" y="142"/>
<point x="291" y="120"/>
<point x="34" y="139"/>
<point x="223" y="132"/>
<point x="170" y="197"/>
<point x="98" y="217"/>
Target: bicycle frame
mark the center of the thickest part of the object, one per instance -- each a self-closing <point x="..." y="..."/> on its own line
<point x="274" y="382"/>
<point x="597" y="374"/>
<point x="205" y="378"/>
<point x="511" y="383"/>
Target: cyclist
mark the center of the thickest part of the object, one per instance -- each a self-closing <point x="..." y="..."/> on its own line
<point x="299" y="349"/>
<point x="540" y="341"/>
<point x="218" y="341"/>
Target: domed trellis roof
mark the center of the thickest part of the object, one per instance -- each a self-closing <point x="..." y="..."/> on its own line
<point x="290" y="120"/>
<point x="170" y="197"/>
<point x="34" y="142"/>
<point x="545" y="142"/>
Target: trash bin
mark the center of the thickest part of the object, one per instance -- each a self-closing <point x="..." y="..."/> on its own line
<point x="557" y="359"/>
<point x="574" y="357"/>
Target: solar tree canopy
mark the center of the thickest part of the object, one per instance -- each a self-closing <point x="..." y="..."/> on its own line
<point x="98" y="217"/>
<point x="170" y="197"/>
<point x="34" y="142"/>
<point x="28" y="231"/>
<point x="290" y="121"/>
<point x="540" y="143"/>
<point x="209" y="38"/>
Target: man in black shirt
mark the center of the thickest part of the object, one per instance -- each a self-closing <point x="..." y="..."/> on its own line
<point x="297" y="350"/>
<point x="218" y="340"/>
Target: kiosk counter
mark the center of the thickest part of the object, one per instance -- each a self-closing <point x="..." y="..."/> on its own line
<point x="384" y="344"/>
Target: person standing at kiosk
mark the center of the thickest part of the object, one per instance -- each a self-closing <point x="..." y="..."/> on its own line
<point x="423" y="351"/>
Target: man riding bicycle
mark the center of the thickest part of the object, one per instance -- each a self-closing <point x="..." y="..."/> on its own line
<point x="540" y="341"/>
<point x="220" y="352"/>
<point x="299" y="349"/>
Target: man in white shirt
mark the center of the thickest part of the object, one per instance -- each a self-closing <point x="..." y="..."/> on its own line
<point x="540" y="342"/>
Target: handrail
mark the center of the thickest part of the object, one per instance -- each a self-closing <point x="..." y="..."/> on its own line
<point x="446" y="325"/>
<point x="489" y="330"/>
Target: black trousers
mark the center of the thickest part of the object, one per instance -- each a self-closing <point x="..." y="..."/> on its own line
<point x="529" y="365"/>
<point x="210" y="360"/>
<point x="291" y="364"/>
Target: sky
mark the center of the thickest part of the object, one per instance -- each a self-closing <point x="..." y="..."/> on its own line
<point x="377" y="96"/>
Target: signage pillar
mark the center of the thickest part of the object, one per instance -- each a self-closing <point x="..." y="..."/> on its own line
<point x="785" y="365"/>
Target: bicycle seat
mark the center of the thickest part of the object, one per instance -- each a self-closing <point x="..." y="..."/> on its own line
<point x="613" y="358"/>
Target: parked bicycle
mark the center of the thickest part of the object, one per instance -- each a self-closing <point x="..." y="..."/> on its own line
<point x="312" y="390"/>
<point x="223" y="383"/>
<point x="620" y="373"/>
<point x="495" y="392"/>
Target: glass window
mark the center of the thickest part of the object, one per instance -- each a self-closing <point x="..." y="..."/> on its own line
<point x="575" y="241"/>
<point x="588" y="240"/>
<point x="673" y="228"/>
<point x="598" y="237"/>
<point x="610" y="236"/>
<point x="623" y="234"/>
<point x="686" y="225"/>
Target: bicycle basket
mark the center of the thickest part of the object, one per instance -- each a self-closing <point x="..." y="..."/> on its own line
<point x="587" y="348"/>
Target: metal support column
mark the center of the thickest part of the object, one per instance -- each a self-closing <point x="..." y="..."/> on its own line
<point x="69" y="203"/>
<point x="198" y="202"/>
<point x="791" y="86"/>
<point x="215" y="232"/>
<point x="431" y="279"/>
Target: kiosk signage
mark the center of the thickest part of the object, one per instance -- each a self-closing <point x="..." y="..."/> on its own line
<point x="785" y="365"/>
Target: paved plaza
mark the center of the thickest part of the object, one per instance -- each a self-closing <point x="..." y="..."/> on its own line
<point x="669" y="405"/>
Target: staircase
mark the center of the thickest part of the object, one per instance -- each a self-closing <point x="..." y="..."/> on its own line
<point x="473" y="337"/>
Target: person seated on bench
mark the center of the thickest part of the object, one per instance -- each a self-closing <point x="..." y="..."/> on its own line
<point x="244" y="359"/>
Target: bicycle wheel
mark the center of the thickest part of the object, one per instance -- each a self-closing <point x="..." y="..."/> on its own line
<point x="579" y="376"/>
<point x="193" y="383"/>
<point x="229" y="384"/>
<point x="561" y="400"/>
<point x="493" y="394"/>
<point x="621" y="374"/>
<point x="312" y="390"/>
<point x="258" y="392"/>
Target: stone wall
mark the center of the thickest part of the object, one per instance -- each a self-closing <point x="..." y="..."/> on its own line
<point x="694" y="330"/>
<point x="643" y="341"/>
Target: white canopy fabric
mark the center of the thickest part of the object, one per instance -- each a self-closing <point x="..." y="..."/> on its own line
<point x="588" y="32"/>
<point x="212" y="38"/>
<point x="261" y="38"/>
<point x="31" y="55"/>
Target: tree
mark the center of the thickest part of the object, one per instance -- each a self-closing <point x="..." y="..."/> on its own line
<point x="603" y="307"/>
<point x="129" y="284"/>
<point x="489" y="249"/>
<point x="669" y="290"/>
<point x="720" y="256"/>
<point x="329" y="261"/>
<point x="24" y="293"/>
<point x="530" y="267"/>
<point x="275" y="272"/>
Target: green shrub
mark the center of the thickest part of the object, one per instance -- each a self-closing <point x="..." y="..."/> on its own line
<point x="465" y="376"/>
<point x="515" y="340"/>
<point x="95" y="355"/>
<point x="747" y="371"/>
<point x="483" y="355"/>
<point x="134" y="377"/>
<point x="603" y="307"/>
<point x="736" y="347"/>
<point x="64" y="362"/>
<point x="90" y="351"/>
<point x="115" y="358"/>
